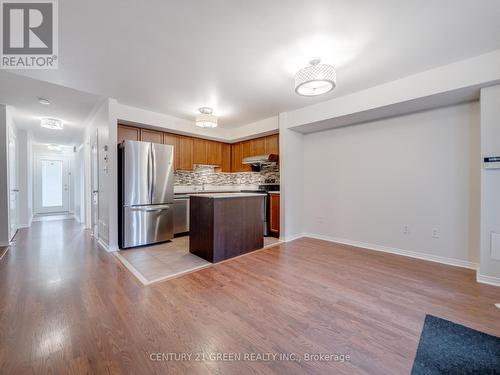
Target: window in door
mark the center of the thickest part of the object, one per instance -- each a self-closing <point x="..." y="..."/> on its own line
<point x="52" y="183"/>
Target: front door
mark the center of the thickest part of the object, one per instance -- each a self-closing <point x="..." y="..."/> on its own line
<point x="52" y="185"/>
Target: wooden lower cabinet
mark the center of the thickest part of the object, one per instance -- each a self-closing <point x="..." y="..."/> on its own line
<point x="274" y="214"/>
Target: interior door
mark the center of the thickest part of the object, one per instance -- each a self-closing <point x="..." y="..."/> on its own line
<point x="94" y="182"/>
<point x="13" y="186"/>
<point x="52" y="185"/>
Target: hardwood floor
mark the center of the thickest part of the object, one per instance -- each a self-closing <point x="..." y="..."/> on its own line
<point x="68" y="307"/>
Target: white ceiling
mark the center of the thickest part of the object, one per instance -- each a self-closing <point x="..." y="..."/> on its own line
<point x="69" y="105"/>
<point x="239" y="56"/>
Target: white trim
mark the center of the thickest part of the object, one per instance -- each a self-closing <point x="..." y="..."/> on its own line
<point x="490" y="280"/>
<point x="292" y="237"/>
<point x="145" y="281"/>
<point x="392" y="250"/>
<point x="131" y="268"/>
<point x="23" y="226"/>
<point x="106" y="247"/>
<point x="5" y="244"/>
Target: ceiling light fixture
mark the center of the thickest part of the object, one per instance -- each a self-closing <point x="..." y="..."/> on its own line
<point x="44" y="101"/>
<point x="54" y="147"/>
<point x="206" y="119"/>
<point x="51" y="123"/>
<point x="316" y="79"/>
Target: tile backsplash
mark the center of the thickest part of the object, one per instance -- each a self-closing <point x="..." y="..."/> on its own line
<point x="204" y="174"/>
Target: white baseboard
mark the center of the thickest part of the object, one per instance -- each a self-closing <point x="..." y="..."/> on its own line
<point x="292" y="237"/>
<point x="4" y="243"/>
<point x="106" y="247"/>
<point x="392" y="250"/>
<point x="487" y="279"/>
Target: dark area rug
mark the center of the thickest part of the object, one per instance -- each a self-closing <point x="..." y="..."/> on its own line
<point x="449" y="348"/>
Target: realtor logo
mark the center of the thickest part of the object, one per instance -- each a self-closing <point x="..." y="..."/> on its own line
<point x="29" y="34"/>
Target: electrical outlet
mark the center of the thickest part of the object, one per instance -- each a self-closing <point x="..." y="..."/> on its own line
<point x="406" y="229"/>
<point x="435" y="233"/>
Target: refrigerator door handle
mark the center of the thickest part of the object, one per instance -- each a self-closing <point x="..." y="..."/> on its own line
<point x="153" y="171"/>
<point x="151" y="208"/>
<point x="150" y="173"/>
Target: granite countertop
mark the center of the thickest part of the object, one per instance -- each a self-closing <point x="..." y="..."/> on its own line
<point x="207" y="192"/>
<point x="227" y="195"/>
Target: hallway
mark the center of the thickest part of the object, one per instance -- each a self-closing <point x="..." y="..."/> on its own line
<point x="68" y="307"/>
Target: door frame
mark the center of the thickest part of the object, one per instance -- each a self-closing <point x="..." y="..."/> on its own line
<point x="37" y="182"/>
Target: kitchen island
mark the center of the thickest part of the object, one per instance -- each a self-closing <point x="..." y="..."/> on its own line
<point x="225" y="225"/>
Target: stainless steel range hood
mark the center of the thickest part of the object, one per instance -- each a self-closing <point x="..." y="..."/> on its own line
<point x="260" y="159"/>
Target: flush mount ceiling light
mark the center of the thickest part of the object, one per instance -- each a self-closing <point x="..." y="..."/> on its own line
<point x="51" y="123"/>
<point x="316" y="79"/>
<point x="54" y="147"/>
<point x="206" y="119"/>
<point x="44" y="101"/>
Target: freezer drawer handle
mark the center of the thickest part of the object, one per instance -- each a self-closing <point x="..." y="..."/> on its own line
<point x="149" y="209"/>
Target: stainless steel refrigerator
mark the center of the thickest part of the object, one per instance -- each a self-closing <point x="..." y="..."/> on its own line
<point x="146" y="193"/>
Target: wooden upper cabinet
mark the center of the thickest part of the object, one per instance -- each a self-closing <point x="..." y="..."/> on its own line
<point x="127" y="133"/>
<point x="151" y="136"/>
<point x="236" y="152"/>
<point x="185" y="153"/>
<point x="214" y="153"/>
<point x="199" y="151"/>
<point x="226" y="157"/>
<point x="272" y="144"/>
<point x="258" y="146"/>
<point x="190" y="150"/>
<point x="173" y="140"/>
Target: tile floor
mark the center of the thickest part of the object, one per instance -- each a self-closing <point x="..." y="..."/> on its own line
<point x="165" y="261"/>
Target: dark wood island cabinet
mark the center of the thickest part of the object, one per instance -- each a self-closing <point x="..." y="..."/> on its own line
<point x="225" y="225"/>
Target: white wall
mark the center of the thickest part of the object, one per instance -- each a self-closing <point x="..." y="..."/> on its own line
<point x="490" y="182"/>
<point x="364" y="183"/>
<point x="291" y="181"/>
<point x="104" y="121"/>
<point x="4" y="183"/>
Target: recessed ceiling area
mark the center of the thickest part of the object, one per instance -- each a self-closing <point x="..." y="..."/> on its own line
<point x="240" y="57"/>
<point x="70" y="106"/>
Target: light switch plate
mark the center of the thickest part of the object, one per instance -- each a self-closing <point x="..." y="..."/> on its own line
<point x="495" y="245"/>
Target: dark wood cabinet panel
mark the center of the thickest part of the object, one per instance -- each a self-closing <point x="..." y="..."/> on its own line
<point x="274" y="214"/>
<point x="151" y="136"/>
<point x="226" y="165"/>
<point x="185" y="153"/>
<point x="272" y="144"/>
<point x="173" y="140"/>
<point x="223" y="228"/>
<point x="127" y="133"/>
